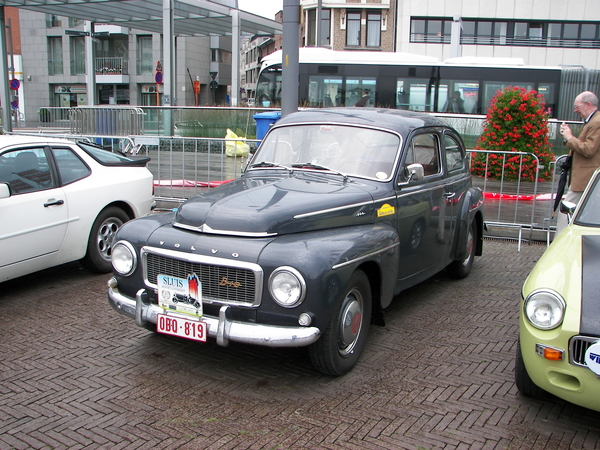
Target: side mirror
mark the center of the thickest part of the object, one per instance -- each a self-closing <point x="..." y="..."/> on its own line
<point x="568" y="208"/>
<point x="414" y="172"/>
<point x="4" y="190"/>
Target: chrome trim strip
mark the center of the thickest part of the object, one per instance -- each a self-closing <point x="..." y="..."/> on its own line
<point x="352" y="261"/>
<point x="208" y="230"/>
<point x="337" y="208"/>
<point x="222" y="328"/>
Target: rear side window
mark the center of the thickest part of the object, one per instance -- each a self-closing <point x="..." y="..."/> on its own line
<point x="455" y="158"/>
<point x="70" y="167"/>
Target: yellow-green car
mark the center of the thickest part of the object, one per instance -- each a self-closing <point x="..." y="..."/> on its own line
<point x="559" y="336"/>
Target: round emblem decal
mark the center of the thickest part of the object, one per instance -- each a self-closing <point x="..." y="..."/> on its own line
<point x="592" y="358"/>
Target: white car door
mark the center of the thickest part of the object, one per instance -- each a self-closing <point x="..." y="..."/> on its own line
<point x="34" y="218"/>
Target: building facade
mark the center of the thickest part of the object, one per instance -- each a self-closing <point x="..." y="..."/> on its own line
<point x="126" y="61"/>
<point x="539" y="32"/>
<point x="349" y="24"/>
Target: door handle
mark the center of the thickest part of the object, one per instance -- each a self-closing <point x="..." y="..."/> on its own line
<point x="54" y="203"/>
<point x="449" y="194"/>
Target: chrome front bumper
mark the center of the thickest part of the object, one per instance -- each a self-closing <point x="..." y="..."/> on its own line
<point x="223" y="328"/>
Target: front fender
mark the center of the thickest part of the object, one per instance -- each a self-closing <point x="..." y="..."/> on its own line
<point x="471" y="210"/>
<point x="326" y="259"/>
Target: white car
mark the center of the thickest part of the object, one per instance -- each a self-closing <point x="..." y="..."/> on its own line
<point x="62" y="201"/>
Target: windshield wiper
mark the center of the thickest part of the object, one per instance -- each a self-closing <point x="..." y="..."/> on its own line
<point x="270" y="164"/>
<point x="313" y="166"/>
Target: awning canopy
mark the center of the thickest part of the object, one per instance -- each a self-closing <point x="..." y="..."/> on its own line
<point x="190" y="17"/>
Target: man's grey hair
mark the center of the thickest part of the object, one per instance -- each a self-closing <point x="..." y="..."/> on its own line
<point x="589" y="97"/>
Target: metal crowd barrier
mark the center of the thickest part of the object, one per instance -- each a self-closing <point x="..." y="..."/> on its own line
<point x="106" y="121"/>
<point x="186" y="166"/>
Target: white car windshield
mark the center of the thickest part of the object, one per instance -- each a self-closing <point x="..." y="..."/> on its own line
<point x="351" y="150"/>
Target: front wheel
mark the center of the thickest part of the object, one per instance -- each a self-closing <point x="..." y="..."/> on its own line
<point x="97" y="258"/>
<point x="524" y="383"/>
<point x="461" y="268"/>
<point x="342" y="343"/>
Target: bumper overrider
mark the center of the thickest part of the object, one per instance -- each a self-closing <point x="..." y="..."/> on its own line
<point x="223" y="328"/>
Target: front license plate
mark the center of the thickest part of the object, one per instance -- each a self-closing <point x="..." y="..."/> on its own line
<point x="177" y="326"/>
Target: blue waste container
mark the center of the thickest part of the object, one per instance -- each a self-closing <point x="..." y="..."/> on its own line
<point x="264" y="121"/>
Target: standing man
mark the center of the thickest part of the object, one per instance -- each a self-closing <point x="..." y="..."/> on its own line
<point x="584" y="150"/>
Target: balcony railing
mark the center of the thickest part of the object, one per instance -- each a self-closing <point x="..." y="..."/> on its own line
<point x="112" y="66"/>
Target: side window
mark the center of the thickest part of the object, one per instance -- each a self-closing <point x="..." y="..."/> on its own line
<point x="26" y="170"/>
<point x="70" y="167"/>
<point x="424" y="150"/>
<point x="455" y="158"/>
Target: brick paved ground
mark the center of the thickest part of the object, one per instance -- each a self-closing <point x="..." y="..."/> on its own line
<point x="74" y="374"/>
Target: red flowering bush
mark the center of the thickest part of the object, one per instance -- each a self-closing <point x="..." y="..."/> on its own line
<point x="517" y="121"/>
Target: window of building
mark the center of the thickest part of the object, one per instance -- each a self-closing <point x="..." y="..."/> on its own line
<point x="77" y="55"/>
<point x="325" y="25"/>
<point x="353" y="29"/>
<point x="219" y="55"/>
<point x="325" y="28"/>
<point x="53" y="21"/>
<point x="374" y="29"/>
<point x="55" y="56"/>
<point x="144" y="55"/>
<point x="75" y="22"/>
<point x="515" y="33"/>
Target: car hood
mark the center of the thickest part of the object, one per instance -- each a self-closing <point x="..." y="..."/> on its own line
<point x="263" y="206"/>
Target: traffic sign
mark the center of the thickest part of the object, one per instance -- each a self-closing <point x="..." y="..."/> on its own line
<point x="158" y="77"/>
<point x="14" y="84"/>
<point x="214" y="85"/>
<point x="15" y="104"/>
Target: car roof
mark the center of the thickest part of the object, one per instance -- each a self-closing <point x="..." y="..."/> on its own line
<point x="397" y="120"/>
<point x="7" y="140"/>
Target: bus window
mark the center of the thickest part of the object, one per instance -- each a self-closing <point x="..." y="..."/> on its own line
<point x="547" y="93"/>
<point x="414" y="94"/>
<point x="458" y="97"/>
<point x="357" y="87"/>
<point x="324" y="91"/>
<point x="491" y="88"/>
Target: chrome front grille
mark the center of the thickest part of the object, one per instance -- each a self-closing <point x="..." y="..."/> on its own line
<point x="577" y="348"/>
<point x="222" y="282"/>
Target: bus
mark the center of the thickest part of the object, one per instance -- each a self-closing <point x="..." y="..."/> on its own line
<point x="465" y="85"/>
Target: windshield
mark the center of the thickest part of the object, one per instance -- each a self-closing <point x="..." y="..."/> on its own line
<point x="268" y="88"/>
<point x="589" y="213"/>
<point x="351" y="150"/>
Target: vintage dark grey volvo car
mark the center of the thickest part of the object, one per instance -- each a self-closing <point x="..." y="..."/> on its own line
<point x="337" y="212"/>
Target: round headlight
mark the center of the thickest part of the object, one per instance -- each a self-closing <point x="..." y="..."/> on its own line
<point x="123" y="258"/>
<point x="287" y="287"/>
<point x="544" y="309"/>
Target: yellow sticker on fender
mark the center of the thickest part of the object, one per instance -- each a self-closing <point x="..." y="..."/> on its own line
<point x="386" y="210"/>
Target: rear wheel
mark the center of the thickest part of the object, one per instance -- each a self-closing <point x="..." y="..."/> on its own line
<point x="342" y="343"/>
<point x="524" y="383"/>
<point x="462" y="268"/>
<point x="97" y="258"/>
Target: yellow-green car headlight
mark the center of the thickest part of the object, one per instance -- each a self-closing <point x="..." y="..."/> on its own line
<point x="544" y="309"/>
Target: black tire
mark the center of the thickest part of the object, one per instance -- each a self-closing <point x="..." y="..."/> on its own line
<point x="524" y="383"/>
<point x="462" y="268"/>
<point x="97" y="258"/>
<point x="340" y="346"/>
